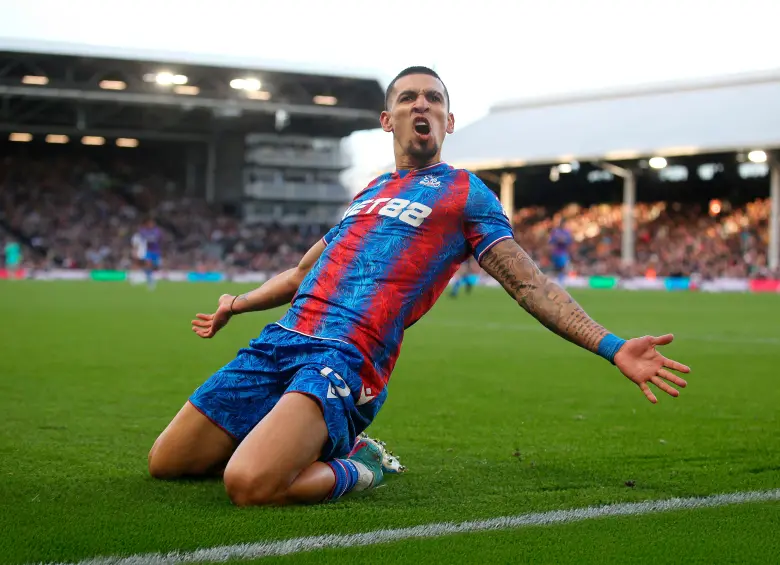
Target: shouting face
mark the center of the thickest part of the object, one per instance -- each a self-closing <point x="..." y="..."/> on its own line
<point x="418" y="116"/>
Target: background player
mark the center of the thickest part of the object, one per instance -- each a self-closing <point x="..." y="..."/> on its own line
<point x="13" y="258"/>
<point x="149" y="242"/>
<point x="560" y="241"/>
<point x="283" y="416"/>
<point x="468" y="277"/>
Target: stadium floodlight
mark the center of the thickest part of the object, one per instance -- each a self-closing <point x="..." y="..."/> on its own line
<point x="564" y="168"/>
<point x="166" y="78"/>
<point x="126" y="142"/>
<point x="258" y="94"/>
<point x="187" y="90"/>
<point x="93" y="140"/>
<point x="113" y="84"/>
<point x="20" y="137"/>
<point x="35" y="79"/>
<point x="657" y="162"/>
<point x="757" y="156"/>
<point x="57" y="138"/>
<point x="248" y="84"/>
<point x="323" y="100"/>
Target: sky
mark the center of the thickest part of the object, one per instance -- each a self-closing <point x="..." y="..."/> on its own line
<point x="486" y="51"/>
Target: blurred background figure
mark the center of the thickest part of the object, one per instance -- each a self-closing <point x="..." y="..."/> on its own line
<point x="149" y="238"/>
<point x="560" y="240"/>
<point x="13" y="257"/>
<point x="467" y="277"/>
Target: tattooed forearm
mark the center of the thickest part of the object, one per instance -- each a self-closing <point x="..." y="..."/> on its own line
<point x="541" y="297"/>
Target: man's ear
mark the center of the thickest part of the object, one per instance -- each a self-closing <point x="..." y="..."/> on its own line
<point x="386" y="120"/>
<point x="450" y="123"/>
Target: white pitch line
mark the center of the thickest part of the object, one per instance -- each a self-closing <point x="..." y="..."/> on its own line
<point x="259" y="550"/>
<point x="539" y="328"/>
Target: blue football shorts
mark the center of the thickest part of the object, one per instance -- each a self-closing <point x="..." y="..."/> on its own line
<point x="154" y="258"/>
<point x="282" y="361"/>
<point x="559" y="261"/>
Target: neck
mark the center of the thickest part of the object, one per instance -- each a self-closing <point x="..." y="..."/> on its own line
<point x="404" y="161"/>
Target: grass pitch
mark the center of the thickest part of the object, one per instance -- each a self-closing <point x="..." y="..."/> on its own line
<point x="493" y="414"/>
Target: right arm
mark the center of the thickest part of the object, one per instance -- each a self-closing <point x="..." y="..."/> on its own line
<point x="278" y="291"/>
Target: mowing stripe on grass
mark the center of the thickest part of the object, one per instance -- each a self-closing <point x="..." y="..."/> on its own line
<point x="540" y="328"/>
<point x="297" y="545"/>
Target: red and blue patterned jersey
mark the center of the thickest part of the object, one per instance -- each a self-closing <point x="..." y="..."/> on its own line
<point x="391" y="257"/>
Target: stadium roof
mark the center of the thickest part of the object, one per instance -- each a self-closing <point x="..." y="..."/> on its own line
<point x="49" y="87"/>
<point x="188" y="58"/>
<point x="739" y="112"/>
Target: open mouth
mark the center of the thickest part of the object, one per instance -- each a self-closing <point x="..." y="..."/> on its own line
<point x="422" y="126"/>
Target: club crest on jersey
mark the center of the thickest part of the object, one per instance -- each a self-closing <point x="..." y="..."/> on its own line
<point x="430" y="181"/>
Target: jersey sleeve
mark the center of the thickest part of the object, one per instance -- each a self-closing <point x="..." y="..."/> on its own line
<point x="486" y="222"/>
<point x="332" y="233"/>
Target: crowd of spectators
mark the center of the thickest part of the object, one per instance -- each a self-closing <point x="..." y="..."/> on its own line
<point x="676" y="239"/>
<point x="74" y="213"/>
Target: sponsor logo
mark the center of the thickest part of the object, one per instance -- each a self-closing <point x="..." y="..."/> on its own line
<point x="412" y="213"/>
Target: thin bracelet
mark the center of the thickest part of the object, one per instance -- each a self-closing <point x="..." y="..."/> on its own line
<point x="231" y="306"/>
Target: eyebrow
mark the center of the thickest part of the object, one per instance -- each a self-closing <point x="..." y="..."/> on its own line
<point x="414" y="92"/>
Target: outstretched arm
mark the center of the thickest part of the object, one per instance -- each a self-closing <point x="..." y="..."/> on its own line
<point x="540" y="296"/>
<point x="546" y="301"/>
<point x="277" y="291"/>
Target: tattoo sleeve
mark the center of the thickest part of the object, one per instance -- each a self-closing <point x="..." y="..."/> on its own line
<point x="541" y="297"/>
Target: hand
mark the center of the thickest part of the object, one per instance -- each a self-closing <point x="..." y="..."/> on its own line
<point x="639" y="361"/>
<point x="207" y="325"/>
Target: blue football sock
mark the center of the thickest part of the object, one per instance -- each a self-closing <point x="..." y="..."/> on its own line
<point x="346" y="477"/>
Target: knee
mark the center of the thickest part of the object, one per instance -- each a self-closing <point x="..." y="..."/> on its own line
<point x="253" y="488"/>
<point x="159" y="467"/>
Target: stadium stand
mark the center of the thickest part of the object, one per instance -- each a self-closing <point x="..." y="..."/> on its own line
<point x="250" y="195"/>
<point x="672" y="239"/>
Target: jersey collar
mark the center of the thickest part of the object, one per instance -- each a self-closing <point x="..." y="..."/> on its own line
<point x="434" y="169"/>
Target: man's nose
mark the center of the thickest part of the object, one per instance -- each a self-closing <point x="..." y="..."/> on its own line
<point x="421" y="104"/>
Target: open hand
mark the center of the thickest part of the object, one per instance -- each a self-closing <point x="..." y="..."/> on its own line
<point x="207" y="325"/>
<point x="639" y="361"/>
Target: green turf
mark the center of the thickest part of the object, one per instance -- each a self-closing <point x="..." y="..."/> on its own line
<point x="712" y="535"/>
<point x="493" y="414"/>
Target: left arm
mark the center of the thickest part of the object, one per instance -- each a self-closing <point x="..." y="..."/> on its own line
<point x="546" y="301"/>
<point x="540" y="296"/>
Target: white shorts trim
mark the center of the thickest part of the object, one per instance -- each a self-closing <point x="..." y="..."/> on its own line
<point x="312" y="336"/>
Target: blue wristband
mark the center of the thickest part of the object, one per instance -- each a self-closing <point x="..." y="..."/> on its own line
<point x="609" y="346"/>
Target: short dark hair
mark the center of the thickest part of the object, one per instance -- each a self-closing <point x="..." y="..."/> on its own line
<point x="417" y="70"/>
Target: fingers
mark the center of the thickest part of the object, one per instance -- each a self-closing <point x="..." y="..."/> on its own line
<point x="675" y="366"/>
<point x="663" y="339"/>
<point x="648" y="393"/>
<point x="202" y="323"/>
<point x="204" y="333"/>
<point x="664" y="386"/>
<point x="672" y="378"/>
<point x="204" y="316"/>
